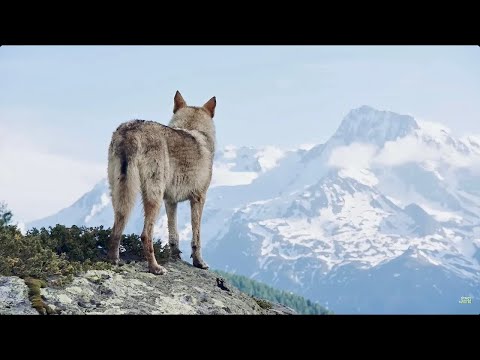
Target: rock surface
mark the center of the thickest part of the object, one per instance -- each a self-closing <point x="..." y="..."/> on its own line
<point x="130" y="289"/>
<point x="14" y="297"/>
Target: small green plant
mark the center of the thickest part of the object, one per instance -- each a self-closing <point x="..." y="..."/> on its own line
<point x="162" y="253"/>
<point x="264" y="304"/>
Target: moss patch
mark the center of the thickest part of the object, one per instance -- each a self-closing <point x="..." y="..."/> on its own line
<point x="34" y="286"/>
<point x="264" y="304"/>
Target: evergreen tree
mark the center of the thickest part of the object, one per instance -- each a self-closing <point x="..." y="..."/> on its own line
<point x="263" y="291"/>
<point x="5" y="214"/>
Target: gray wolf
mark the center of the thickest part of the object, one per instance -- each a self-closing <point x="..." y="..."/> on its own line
<point x="164" y="163"/>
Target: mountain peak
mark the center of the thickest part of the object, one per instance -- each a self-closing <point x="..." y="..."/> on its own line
<point x="369" y="125"/>
<point x="365" y="109"/>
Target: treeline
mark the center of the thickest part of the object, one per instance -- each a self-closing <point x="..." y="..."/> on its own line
<point x="262" y="291"/>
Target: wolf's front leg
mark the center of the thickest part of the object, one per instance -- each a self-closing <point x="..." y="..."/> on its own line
<point x="196" y="204"/>
<point x="172" y="230"/>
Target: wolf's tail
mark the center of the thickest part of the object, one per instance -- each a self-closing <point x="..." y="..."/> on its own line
<point x="124" y="181"/>
<point x="123" y="164"/>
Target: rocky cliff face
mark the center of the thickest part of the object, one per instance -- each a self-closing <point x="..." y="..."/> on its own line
<point x="130" y="289"/>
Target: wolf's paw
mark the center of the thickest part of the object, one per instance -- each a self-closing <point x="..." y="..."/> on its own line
<point x="175" y="254"/>
<point x="114" y="260"/>
<point x="157" y="269"/>
<point x="199" y="263"/>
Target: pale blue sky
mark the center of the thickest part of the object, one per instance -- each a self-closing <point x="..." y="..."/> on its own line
<point x="65" y="101"/>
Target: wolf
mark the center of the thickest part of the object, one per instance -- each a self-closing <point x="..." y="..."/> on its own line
<point x="164" y="163"/>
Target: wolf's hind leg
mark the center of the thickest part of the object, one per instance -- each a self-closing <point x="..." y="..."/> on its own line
<point x="123" y="191"/>
<point x="152" y="201"/>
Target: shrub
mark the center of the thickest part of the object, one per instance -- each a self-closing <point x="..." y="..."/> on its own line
<point x="57" y="254"/>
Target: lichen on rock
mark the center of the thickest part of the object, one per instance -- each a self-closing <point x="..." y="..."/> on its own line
<point x="14" y="297"/>
<point x="131" y="289"/>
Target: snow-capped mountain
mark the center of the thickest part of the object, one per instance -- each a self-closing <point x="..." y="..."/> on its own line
<point x="382" y="218"/>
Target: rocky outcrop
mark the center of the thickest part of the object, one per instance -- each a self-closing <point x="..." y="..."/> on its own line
<point x="130" y="289"/>
<point x="14" y="297"/>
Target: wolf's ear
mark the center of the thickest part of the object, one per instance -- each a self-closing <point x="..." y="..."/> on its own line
<point x="210" y="106"/>
<point x="178" y="102"/>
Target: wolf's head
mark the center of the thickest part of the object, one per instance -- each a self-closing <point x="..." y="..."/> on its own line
<point x="198" y="118"/>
